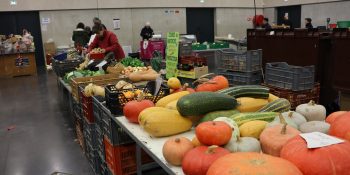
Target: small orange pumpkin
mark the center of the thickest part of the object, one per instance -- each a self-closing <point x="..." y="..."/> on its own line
<point x="273" y="138"/>
<point x="174" y="150"/>
<point x="213" y="133"/>
<point x="196" y="142"/>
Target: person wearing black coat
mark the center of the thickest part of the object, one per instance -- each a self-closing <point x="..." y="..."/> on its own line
<point x="308" y="23"/>
<point x="146" y="32"/>
<point x="80" y="36"/>
<point x="266" y="24"/>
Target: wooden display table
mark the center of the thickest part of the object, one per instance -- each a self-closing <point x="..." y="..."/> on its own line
<point x="11" y="66"/>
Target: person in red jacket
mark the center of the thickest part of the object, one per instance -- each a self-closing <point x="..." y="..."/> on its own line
<point x="107" y="41"/>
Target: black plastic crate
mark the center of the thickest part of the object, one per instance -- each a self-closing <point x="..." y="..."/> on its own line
<point x="65" y="66"/>
<point x="185" y="48"/>
<point x="94" y="162"/>
<point x="115" y="99"/>
<point x="295" y="78"/>
<point x="89" y="131"/>
<point x="104" y="169"/>
<point x="242" y="78"/>
<point x="248" y="61"/>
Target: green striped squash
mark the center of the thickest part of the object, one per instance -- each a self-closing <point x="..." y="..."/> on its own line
<point x="216" y="114"/>
<point x="242" y="118"/>
<point x="254" y="91"/>
<point x="280" y="105"/>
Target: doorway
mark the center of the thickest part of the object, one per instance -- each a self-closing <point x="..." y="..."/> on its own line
<point x="200" y="22"/>
<point x="15" y="22"/>
<point x="294" y="14"/>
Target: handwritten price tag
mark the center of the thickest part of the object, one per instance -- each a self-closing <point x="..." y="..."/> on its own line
<point x="318" y="140"/>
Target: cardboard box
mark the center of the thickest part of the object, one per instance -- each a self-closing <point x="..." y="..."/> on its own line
<point x="196" y="73"/>
<point x="50" y="48"/>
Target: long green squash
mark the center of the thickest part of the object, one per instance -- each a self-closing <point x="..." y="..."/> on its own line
<point x="280" y="105"/>
<point x="254" y="91"/>
<point x="242" y="118"/>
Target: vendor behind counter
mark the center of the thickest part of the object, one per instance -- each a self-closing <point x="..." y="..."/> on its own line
<point x="108" y="41"/>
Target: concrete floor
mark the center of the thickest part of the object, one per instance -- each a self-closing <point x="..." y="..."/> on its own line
<point x="36" y="136"/>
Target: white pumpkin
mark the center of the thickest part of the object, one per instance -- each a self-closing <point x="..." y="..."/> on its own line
<point x="233" y="125"/>
<point x="297" y="118"/>
<point x="277" y="121"/>
<point x="243" y="144"/>
<point x="314" y="126"/>
<point x="312" y="111"/>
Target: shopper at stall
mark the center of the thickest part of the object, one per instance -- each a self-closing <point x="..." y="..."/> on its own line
<point x="146" y="32"/>
<point x="96" y="21"/>
<point x="266" y="24"/>
<point x="106" y="40"/>
<point x="27" y="37"/>
<point x="308" y="23"/>
<point x="88" y="31"/>
<point x="80" y="36"/>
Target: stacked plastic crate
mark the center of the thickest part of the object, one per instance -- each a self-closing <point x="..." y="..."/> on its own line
<point x="89" y="131"/>
<point x="295" y="83"/>
<point x="240" y="68"/>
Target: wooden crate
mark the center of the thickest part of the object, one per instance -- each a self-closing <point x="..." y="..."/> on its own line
<point x="9" y="69"/>
<point x="97" y="80"/>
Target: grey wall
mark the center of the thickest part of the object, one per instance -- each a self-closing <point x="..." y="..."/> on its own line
<point x="277" y="3"/>
<point x="234" y="21"/>
<point x="271" y="13"/>
<point x="337" y="11"/>
<point x="62" y="23"/>
<point x="92" y="4"/>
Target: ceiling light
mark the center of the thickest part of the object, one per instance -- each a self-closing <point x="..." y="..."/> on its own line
<point x="201" y="1"/>
<point x="13" y="2"/>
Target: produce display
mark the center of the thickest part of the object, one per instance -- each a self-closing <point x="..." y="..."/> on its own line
<point x="81" y="73"/>
<point x="242" y="129"/>
<point x="97" y="50"/>
<point x="133" y="62"/>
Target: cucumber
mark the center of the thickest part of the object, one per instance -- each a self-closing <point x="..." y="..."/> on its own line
<point x="201" y="103"/>
<point x="242" y="118"/>
<point x="254" y="91"/>
<point x="280" y="105"/>
<point x="216" y="114"/>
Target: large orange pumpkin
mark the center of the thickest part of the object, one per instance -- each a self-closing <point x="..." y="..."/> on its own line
<point x="329" y="160"/>
<point x="198" y="160"/>
<point x="249" y="163"/>
<point x="340" y="127"/>
<point x="334" y="115"/>
<point x="213" y="133"/>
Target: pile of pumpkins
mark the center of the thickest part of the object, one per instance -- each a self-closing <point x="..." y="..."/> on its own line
<point x="243" y="130"/>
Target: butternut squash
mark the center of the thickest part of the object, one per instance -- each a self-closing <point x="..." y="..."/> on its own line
<point x="248" y="104"/>
<point x="170" y="98"/>
<point x="252" y="128"/>
<point x="163" y="122"/>
<point x="272" y="98"/>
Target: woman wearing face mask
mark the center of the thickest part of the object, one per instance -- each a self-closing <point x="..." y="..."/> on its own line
<point x="107" y="41"/>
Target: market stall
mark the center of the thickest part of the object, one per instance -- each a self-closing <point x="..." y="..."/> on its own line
<point x="119" y="112"/>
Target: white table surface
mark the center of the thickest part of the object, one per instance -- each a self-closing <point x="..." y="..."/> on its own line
<point x="154" y="145"/>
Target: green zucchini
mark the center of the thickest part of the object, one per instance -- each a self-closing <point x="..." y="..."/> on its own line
<point x="254" y="91"/>
<point x="201" y="103"/>
<point x="242" y="118"/>
<point x="216" y="114"/>
<point x="280" y="105"/>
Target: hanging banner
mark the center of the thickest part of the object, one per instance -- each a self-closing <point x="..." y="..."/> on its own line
<point x="172" y="53"/>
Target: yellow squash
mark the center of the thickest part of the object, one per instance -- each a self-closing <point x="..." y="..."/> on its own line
<point x="248" y="104"/>
<point x="163" y="122"/>
<point x="272" y="98"/>
<point x="167" y="99"/>
<point x="252" y="128"/>
<point x="172" y="105"/>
